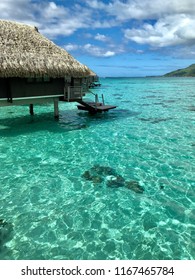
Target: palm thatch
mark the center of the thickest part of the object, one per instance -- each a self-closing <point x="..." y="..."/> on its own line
<point x="24" y="52"/>
<point x="92" y="74"/>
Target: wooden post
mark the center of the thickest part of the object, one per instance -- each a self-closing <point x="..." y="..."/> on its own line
<point x="31" y="109"/>
<point x="56" y="109"/>
<point x="103" y="99"/>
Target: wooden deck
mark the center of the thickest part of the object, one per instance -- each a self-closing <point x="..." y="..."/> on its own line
<point x="94" y="107"/>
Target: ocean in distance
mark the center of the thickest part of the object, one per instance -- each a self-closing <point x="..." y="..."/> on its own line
<point x="116" y="185"/>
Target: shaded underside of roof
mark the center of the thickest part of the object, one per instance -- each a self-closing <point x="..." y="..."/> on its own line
<point x="24" y="52"/>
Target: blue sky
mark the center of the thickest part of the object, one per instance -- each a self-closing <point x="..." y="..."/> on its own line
<point x="116" y="37"/>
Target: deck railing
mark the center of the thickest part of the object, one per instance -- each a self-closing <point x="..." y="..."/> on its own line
<point x="97" y="97"/>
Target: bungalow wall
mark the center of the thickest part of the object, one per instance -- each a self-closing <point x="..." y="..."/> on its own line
<point x="31" y="87"/>
<point x="73" y="89"/>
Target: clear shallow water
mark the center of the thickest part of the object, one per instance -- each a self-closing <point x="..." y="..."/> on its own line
<point x="49" y="210"/>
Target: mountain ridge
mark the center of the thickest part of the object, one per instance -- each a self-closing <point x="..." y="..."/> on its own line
<point x="185" y="72"/>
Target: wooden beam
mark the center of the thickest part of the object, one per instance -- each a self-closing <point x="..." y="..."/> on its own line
<point x="29" y="100"/>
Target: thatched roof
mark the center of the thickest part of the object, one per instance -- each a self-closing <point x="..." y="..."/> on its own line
<point x="92" y="74"/>
<point x="24" y="52"/>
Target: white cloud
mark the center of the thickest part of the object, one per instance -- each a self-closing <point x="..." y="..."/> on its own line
<point x="167" y="31"/>
<point x="109" y="53"/>
<point x="62" y="27"/>
<point x="101" y="37"/>
<point x="51" y="19"/>
<point x="52" y="11"/>
<point x="58" y="20"/>
<point x="154" y="22"/>
<point x="20" y="10"/>
<point x="71" y="47"/>
<point x="171" y="22"/>
<point x="95" y="4"/>
<point x="145" y="9"/>
<point x="90" y="49"/>
<point x="97" y="51"/>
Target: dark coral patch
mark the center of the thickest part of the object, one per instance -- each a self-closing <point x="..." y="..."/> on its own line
<point x="154" y="120"/>
<point x="115" y="182"/>
<point x="97" y="179"/>
<point x="6" y="230"/>
<point x="191" y="108"/>
<point x="134" y="186"/>
<point x="86" y="175"/>
<point x="108" y="176"/>
<point x="99" y="174"/>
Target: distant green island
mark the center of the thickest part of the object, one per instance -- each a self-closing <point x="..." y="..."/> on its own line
<point x="185" y="72"/>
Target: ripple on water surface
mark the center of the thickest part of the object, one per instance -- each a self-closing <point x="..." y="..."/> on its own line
<point x="119" y="185"/>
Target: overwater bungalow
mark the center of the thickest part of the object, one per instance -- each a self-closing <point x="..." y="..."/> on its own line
<point x="35" y="70"/>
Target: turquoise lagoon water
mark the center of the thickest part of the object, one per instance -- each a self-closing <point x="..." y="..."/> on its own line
<point x="50" y="207"/>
